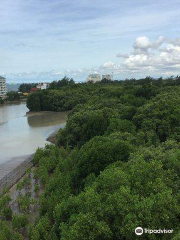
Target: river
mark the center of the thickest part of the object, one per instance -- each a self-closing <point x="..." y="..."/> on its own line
<point x="21" y="133"/>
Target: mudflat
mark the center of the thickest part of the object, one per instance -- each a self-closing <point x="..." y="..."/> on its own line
<point x="10" y="165"/>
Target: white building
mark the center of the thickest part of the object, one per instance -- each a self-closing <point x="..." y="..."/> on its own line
<point x="107" y="76"/>
<point x="42" y="86"/>
<point x="3" y="89"/>
<point x="94" y="78"/>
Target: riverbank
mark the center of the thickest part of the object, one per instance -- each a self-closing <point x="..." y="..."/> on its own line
<point x="52" y="138"/>
<point x="14" y="102"/>
<point x="18" y="169"/>
<point x="12" y="171"/>
<point x="21" y="133"/>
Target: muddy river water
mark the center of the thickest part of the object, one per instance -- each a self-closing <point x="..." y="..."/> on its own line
<point x="21" y="133"/>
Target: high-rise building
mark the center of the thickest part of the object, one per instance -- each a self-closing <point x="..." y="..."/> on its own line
<point x="3" y="88"/>
<point x="94" y="78"/>
<point x="42" y="86"/>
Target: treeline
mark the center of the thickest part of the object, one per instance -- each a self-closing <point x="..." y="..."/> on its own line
<point x="170" y="81"/>
<point x="61" y="83"/>
<point x="70" y="94"/>
<point x="13" y="96"/>
<point x="26" y="87"/>
<point x="10" y="96"/>
<point x="115" y="166"/>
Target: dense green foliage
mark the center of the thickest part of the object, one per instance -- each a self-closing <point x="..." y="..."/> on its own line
<point x="13" y="96"/>
<point x="161" y="115"/>
<point x="56" y="100"/>
<point x="61" y="83"/>
<point x="26" y="87"/>
<point x="116" y="164"/>
<point x="1" y="101"/>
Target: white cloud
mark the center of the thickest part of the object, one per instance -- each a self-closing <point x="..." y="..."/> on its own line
<point x="142" y="44"/>
<point x="159" y="42"/>
<point x="122" y="55"/>
<point x="109" y="65"/>
<point x="148" y="56"/>
<point x="159" y="57"/>
<point x="81" y="33"/>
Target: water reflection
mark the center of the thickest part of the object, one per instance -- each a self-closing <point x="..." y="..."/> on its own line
<point x="46" y="119"/>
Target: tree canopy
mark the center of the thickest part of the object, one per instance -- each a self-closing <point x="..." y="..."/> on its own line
<point x="121" y="166"/>
<point x="115" y="165"/>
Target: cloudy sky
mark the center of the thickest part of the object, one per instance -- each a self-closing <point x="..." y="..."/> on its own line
<point x="43" y="40"/>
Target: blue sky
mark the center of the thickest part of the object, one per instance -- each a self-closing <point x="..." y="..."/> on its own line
<point x="43" y="40"/>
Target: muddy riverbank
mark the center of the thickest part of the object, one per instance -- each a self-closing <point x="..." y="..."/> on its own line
<point x="12" y="171"/>
<point x="22" y="132"/>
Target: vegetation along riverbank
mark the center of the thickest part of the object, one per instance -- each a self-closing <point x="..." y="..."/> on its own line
<point x="115" y="166"/>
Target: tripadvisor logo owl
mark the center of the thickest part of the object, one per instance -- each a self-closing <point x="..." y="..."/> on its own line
<point x="138" y="231"/>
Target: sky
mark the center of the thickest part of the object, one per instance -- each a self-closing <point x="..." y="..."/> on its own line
<point x="44" y="40"/>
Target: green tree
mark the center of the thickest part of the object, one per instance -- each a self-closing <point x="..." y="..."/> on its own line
<point x="160" y="115"/>
<point x="26" y="87"/>
<point x="5" y="230"/>
<point x="13" y="96"/>
<point x="19" y="222"/>
<point x="97" y="154"/>
<point x="33" y="102"/>
<point x="118" y="125"/>
<point x="41" y="231"/>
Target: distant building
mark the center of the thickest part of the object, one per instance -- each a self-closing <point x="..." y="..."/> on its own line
<point x="108" y="77"/>
<point x="25" y="94"/>
<point x="34" y="89"/>
<point x="3" y="89"/>
<point x="42" y="86"/>
<point x="94" y="78"/>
